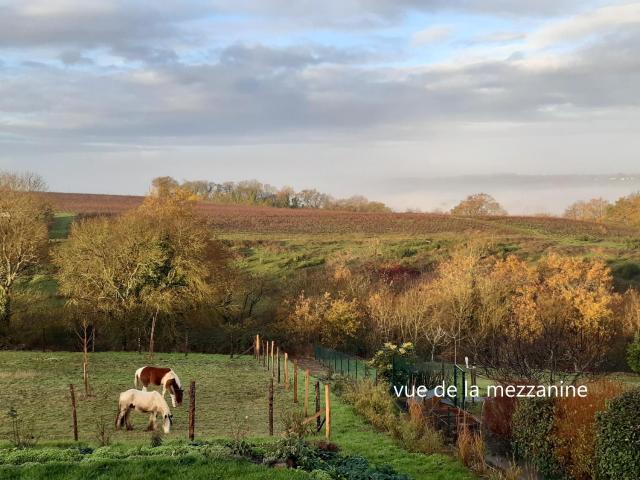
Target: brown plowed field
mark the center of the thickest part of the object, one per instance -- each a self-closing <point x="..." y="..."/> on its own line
<point x="253" y="219"/>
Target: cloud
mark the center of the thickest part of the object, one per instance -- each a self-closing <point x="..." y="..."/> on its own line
<point x="600" y="21"/>
<point x="433" y="34"/>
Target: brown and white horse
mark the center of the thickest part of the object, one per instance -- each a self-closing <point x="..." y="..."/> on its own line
<point x="160" y="376"/>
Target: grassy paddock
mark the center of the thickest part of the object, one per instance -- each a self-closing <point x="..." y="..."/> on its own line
<point x="227" y="392"/>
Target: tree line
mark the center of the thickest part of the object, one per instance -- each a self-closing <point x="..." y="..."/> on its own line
<point x="560" y="317"/>
<point x="253" y="192"/>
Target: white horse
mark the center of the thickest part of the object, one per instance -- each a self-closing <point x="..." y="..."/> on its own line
<point x="145" y="402"/>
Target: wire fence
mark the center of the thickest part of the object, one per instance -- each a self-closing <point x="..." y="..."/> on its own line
<point x="346" y="365"/>
<point x="403" y="372"/>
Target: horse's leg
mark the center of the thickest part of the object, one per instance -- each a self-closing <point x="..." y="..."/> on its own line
<point x="152" y="422"/>
<point x="128" y="419"/>
<point x="119" y="420"/>
<point x="144" y="387"/>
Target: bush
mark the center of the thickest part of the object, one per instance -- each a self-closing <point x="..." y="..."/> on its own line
<point x="471" y="450"/>
<point x="574" y="428"/>
<point x="415" y="432"/>
<point x="618" y="438"/>
<point x="293" y="425"/>
<point x="394" y="361"/>
<point x="294" y="452"/>
<point x="21" y="434"/>
<point x="533" y="438"/>
<point x="39" y="455"/>
<point x="633" y="354"/>
<point x="374" y="403"/>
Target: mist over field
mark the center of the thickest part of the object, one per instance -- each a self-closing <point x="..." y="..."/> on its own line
<point x="518" y="194"/>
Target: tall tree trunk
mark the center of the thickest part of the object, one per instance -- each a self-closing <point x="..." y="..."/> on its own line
<point x="85" y="358"/>
<point x="154" y="320"/>
<point x="5" y="309"/>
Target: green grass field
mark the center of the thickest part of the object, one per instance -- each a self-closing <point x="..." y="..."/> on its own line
<point x="230" y="392"/>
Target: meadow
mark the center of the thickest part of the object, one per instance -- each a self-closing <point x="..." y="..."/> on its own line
<point x="231" y="395"/>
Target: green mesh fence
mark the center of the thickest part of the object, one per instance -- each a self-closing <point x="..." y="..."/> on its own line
<point x="347" y="365"/>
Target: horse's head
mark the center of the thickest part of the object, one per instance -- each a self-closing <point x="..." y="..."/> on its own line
<point x="178" y="392"/>
<point x="168" y="421"/>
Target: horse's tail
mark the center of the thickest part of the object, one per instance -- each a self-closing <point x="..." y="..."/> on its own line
<point x="136" y="377"/>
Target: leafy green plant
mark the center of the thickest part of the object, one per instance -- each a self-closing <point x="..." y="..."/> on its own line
<point x="633" y="354"/>
<point x="294" y="452"/>
<point x="392" y="361"/>
<point x="533" y="435"/>
<point x="618" y="438"/>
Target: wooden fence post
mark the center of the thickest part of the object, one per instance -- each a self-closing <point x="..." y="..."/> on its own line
<point x="286" y="370"/>
<point x="74" y="412"/>
<point x="306" y="393"/>
<point x="271" y="407"/>
<point x="264" y="356"/>
<point x="192" y="410"/>
<point x="256" y="347"/>
<point x="268" y="356"/>
<point x="327" y="411"/>
<point x="295" y="381"/>
<point x="278" y="355"/>
<point x="318" y="421"/>
<point x="273" y="365"/>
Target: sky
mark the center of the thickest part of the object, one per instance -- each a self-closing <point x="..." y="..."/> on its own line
<point x="347" y="96"/>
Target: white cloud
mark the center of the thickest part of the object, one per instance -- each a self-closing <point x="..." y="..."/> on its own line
<point x="601" y="21"/>
<point x="433" y="34"/>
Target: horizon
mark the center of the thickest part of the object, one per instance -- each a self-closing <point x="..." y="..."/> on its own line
<point x="452" y="189"/>
<point x="346" y="97"/>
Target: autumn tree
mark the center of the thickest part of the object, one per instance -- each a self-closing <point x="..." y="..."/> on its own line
<point x="478" y="205"/>
<point x="24" y="219"/>
<point x="157" y="259"/>
<point x="337" y="320"/>
<point x="626" y="211"/>
<point x="594" y="210"/>
<point x="554" y="319"/>
<point x="163" y="186"/>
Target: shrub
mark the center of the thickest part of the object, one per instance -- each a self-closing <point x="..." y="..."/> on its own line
<point x="292" y="420"/>
<point x="415" y="432"/>
<point x="357" y="468"/>
<point x="471" y="450"/>
<point x="295" y="452"/>
<point x="618" y="438"/>
<point x="633" y="354"/>
<point x="374" y="403"/>
<point x="103" y="431"/>
<point x="389" y="356"/>
<point x="533" y="438"/>
<point x="574" y="428"/>
<point x="39" y="455"/>
<point x="21" y="434"/>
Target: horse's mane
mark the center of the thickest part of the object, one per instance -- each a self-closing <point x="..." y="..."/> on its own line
<point x="171" y="376"/>
<point x="176" y="379"/>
